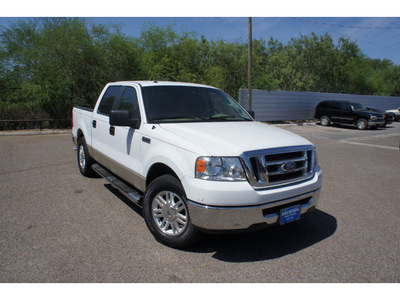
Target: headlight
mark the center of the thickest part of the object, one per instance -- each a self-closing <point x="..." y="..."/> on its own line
<point x="219" y="168"/>
<point x="373" y="118"/>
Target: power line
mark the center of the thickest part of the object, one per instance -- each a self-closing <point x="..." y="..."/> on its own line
<point x="346" y="26"/>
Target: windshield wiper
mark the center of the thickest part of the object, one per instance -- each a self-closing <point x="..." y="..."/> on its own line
<point x="224" y="117"/>
<point x="177" y="118"/>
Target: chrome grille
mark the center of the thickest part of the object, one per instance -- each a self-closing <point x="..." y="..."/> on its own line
<point x="279" y="166"/>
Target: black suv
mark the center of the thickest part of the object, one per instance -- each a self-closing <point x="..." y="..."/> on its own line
<point x="347" y="113"/>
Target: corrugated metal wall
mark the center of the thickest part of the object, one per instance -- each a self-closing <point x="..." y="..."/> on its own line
<point x="285" y="106"/>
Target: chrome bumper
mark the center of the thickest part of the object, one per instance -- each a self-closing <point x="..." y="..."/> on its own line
<point x="376" y="123"/>
<point x="234" y="218"/>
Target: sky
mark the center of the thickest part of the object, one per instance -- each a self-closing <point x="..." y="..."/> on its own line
<point x="377" y="37"/>
<point x="375" y="27"/>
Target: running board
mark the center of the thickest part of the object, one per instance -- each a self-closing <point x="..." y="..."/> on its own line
<point x="117" y="183"/>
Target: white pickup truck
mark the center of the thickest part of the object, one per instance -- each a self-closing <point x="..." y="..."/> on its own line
<point x="194" y="159"/>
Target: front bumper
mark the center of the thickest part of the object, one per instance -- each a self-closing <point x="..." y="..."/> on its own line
<point x="236" y="218"/>
<point x="376" y="123"/>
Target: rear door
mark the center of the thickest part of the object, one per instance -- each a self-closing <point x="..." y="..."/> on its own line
<point x="346" y="113"/>
<point x="101" y="137"/>
<point x="125" y="142"/>
<point x="334" y="111"/>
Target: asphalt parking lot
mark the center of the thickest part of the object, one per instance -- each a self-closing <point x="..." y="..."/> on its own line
<point x="58" y="226"/>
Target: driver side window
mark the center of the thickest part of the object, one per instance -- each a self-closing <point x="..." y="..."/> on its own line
<point x="129" y="102"/>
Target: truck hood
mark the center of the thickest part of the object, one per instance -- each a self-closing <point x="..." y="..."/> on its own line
<point x="234" y="138"/>
<point x="369" y="112"/>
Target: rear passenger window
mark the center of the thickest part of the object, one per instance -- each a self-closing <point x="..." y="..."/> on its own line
<point x="344" y="106"/>
<point x="129" y="102"/>
<point x="335" y="105"/>
<point x="108" y="100"/>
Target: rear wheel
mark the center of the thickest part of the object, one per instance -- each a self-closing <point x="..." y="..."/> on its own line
<point x="166" y="213"/>
<point x="325" y="121"/>
<point x="84" y="160"/>
<point x="362" y="124"/>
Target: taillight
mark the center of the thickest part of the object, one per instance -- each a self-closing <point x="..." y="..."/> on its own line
<point x="72" y="118"/>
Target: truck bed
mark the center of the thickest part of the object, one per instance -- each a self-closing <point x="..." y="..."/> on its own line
<point x="86" y="107"/>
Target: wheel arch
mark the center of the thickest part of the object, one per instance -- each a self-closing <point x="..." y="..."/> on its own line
<point x="79" y="134"/>
<point x="159" y="169"/>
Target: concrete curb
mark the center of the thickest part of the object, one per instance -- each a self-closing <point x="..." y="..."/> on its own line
<point x="34" y="132"/>
<point x="294" y="124"/>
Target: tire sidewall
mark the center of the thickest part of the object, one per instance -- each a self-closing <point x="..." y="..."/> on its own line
<point x="171" y="184"/>
<point x="87" y="171"/>
<point x="362" y="127"/>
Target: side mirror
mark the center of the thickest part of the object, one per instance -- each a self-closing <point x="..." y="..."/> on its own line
<point x="252" y="114"/>
<point x="122" y="118"/>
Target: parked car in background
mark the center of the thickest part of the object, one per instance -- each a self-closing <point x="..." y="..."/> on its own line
<point x="389" y="117"/>
<point x="347" y="113"/>
<point x="396" y="113"/>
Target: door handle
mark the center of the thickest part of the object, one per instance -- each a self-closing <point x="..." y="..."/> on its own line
<point x="146" y="140"/>
<point x="112" y="130"/>
<point x="94" y="123"/>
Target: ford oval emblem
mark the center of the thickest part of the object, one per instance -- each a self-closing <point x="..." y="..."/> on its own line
<point x="289" y="166"/>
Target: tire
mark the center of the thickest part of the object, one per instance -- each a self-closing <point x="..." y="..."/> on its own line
<point x="362" y="124"/>
<point x="325" y="121"/>
<point x="84" y="160"/>
<point x="166" y="213"/>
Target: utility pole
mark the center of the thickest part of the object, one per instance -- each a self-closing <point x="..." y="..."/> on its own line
<point x="250" y="63"/>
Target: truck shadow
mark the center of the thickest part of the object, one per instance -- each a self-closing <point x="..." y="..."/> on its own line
<point x="266" y="244"/>
<point x="269" y="243"/>
<point x="135" y="207"/>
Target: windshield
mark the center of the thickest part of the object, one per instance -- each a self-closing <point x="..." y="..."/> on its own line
<point x="166" y="104"/>
<point x="358" y="106"/>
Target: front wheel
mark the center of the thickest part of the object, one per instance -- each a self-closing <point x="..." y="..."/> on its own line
<point x="166" y="213"/>
<point x="362" y="124"/>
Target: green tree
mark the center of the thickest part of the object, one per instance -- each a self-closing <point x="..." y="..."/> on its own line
<point x="48" y="65"/>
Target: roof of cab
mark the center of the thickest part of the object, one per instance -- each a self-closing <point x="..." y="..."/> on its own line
<point x="160" y="83"/>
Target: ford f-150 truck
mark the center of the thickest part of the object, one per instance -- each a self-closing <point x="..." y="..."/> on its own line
<point x="194" y="159"/>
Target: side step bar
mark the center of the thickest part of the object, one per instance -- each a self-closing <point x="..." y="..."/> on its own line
<point x="120" y="185"/>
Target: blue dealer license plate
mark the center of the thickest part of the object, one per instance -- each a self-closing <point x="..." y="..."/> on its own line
<point x="290" y="214"/>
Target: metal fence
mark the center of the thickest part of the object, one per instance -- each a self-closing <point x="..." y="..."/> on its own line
<point x="287" y="106"/>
